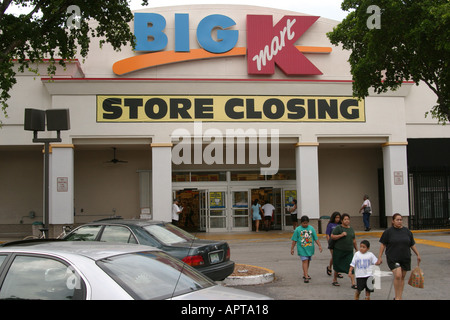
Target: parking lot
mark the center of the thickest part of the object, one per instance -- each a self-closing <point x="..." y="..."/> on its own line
<point x="272" y="250"/>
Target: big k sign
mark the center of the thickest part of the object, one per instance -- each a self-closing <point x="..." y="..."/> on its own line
<point x="268" y="44"/>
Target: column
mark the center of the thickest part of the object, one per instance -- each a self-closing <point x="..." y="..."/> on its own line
<point x="395" y="179"/>
<point x="162" y="181"/>
<point x="61" y="191"/>
<point x="307" y="167"/>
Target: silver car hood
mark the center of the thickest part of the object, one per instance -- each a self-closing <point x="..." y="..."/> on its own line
<point x="220" y="292"/>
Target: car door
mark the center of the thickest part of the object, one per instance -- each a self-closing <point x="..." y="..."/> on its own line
<point x="112" y="233"/>
<point x="84" y="233"/>
<point x="40" y="277"/>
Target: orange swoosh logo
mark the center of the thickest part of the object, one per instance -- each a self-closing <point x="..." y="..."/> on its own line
<point x="154" y="59"/>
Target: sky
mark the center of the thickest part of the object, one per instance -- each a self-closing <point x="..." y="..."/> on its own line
<point x="325" y="8"/>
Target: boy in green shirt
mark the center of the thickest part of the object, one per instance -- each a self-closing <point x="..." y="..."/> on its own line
<point x="304" y="237"/>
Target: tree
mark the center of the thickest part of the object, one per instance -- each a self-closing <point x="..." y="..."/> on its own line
<point x="57" y="30"/>
<point x="410" y="42"/>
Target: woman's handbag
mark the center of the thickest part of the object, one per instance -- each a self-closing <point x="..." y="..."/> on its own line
<point x="416" y="278"/>
<point x="330" y="243"/>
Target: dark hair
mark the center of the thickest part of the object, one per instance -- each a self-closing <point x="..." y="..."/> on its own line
<point x="255" y="202"/>
<point x="333" y="217"/>
<point x="366" y="243"/>
<point x="395" y="216"/>
<point x="294" y="201"/>
<point x="345" y="215"/>
<point x="304" y="219"/>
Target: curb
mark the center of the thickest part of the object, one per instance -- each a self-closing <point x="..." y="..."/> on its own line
<point x="266" y="276"/>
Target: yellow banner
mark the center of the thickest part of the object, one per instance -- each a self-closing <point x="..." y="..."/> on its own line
<point x="148" y="108"/>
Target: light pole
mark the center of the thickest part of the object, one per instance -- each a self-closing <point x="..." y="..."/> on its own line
<point x="57" y="120"/>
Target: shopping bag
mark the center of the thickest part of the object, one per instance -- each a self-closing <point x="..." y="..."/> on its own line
<point x="416" y="278"/>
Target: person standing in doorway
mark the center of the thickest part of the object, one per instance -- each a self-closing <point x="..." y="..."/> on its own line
<point x="366" y="210"/>
<point x="398" y="241"/>
<point x="256" y="213"/>
<point x="293" y="210"/>
<point x="176" y="211"/>
<point x="268" y="210"/>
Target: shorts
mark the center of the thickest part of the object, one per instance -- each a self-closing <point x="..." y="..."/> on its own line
<point x="268" y="218"/>
<point x="404" y="264"/>
<point x="294" y="217"/>
<point x="304" y="258"/>
<point x="361" y="284"/>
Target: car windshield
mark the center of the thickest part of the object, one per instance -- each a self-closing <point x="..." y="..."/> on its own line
<point x="153" y="275"/>
<point x="169" y="234"/>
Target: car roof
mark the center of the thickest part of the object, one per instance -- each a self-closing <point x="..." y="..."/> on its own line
<point x="136" y="222"/>
<point x="90" y="249"/>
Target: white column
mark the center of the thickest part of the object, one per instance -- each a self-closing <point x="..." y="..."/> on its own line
<point x="61" y="175"/>
<point x="395" y="179"/>
<point x="162" y="181"/>
<point x="307" y="167"/>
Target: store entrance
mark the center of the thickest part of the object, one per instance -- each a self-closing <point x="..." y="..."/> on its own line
<point x="190" y="219"/>
<point x="203" y="210"/>
<point x="272" y="196"/>
<point x="207" y="210"/>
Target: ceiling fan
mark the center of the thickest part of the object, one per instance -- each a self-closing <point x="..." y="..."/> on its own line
<point x="114" y="159"/>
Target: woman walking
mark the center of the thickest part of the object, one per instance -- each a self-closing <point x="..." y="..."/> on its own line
<point x="345" y="242"/>
<point x="335" y="220"/>
<point x="398" y="241"/>
<point x="256" y="213"/>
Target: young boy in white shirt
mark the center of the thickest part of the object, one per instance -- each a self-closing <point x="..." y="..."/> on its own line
<point x="362" y="263"/>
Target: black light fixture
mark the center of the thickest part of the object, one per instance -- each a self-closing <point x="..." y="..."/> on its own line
<point x="57" y="120"/>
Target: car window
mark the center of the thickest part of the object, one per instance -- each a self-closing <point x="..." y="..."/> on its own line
<point x="2" y="258"/>
<point x="117" y="234"/>
<point x="85" y="233"/>
<point x="42" y="278"/>
<point x="167" y="235"/>
<point x="153" y="275"/>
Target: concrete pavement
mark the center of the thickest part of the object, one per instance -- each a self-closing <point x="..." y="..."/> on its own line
<point x="271" y="250"/>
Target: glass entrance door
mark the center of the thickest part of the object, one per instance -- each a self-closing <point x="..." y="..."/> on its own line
<point x="217" y="211"/>
<point x="240" y="220"/>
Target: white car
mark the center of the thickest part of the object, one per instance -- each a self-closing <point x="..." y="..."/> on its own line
<point x="56" y="270"/>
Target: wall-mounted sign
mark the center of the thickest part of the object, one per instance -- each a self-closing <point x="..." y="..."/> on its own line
<point x="117" y="108"/>
<point x="62" y="184"/>
<point x="267" y="44"/>
<point x="398" y="178"/>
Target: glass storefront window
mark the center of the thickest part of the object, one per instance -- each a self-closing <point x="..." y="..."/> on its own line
<point x="246" y="176"/>
<point x="283" y="175"/>
<point x="255" y="175"/>
<point x="181" y="177"/>
<point x="199" y="176"/>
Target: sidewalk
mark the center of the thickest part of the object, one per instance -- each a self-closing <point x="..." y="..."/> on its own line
<point x="274" y="235"/>
<point x="287" y="234"/>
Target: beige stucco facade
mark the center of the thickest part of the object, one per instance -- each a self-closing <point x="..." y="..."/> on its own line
<point x="334" y="163"/>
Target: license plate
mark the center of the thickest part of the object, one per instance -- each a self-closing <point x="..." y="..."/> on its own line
<point x="214" y="257"/>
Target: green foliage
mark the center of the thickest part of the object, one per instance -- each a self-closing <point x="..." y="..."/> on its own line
<point x="45" y="33"/>
<point x="413" y="44"/>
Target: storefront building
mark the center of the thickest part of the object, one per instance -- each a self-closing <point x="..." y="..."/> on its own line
<point x="219" y="106"/>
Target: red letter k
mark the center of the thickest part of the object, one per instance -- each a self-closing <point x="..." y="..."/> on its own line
<point x="268" y="44"/>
